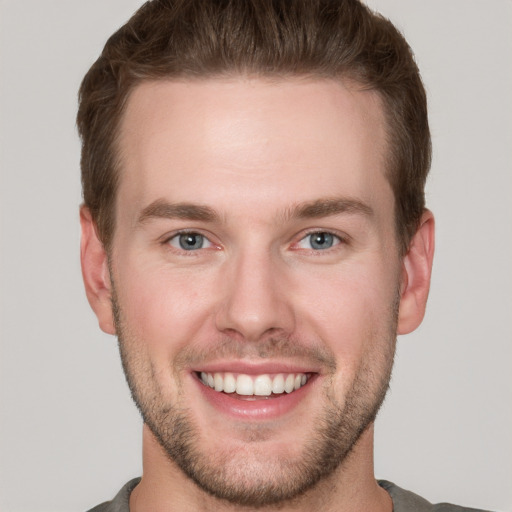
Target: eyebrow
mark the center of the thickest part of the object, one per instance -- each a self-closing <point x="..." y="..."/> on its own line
<point x="327" y="207"/>
<point x="162" y="209"/>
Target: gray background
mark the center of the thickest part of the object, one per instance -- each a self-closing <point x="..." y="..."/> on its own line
<point x="69" y="435"/>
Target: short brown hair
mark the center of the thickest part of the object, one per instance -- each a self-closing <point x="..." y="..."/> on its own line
<point x="280" y="38"/>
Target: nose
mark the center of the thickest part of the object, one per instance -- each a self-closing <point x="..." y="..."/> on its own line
<point x="256" y="303"/>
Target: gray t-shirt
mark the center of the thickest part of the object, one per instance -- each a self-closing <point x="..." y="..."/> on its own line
<point x="403" y="501"/>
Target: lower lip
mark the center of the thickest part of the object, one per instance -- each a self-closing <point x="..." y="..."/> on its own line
<point x="255" y="409"/>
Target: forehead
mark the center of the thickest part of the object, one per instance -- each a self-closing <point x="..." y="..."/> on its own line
<point x="276" y="140"/>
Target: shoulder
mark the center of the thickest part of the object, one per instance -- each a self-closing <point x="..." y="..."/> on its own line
<point x="407" y="501"/>
<point x="448" y="507"/>
<point x="121" y="502"/>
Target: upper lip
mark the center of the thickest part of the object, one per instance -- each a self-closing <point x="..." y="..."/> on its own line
<point x="255" y="367"/>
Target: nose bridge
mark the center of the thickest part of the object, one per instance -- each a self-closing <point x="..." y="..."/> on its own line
<point x="255" y="303"/>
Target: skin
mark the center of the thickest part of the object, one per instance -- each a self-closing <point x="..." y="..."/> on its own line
<point x="257" y="154"/>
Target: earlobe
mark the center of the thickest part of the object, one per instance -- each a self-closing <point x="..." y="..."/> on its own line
<point x="416" y="273"/>
<point x="95" y="272"/>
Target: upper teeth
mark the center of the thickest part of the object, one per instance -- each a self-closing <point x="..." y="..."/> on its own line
<point x="260" y="385"/>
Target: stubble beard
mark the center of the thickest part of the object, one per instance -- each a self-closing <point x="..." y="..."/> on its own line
<point x="257" y="482"/>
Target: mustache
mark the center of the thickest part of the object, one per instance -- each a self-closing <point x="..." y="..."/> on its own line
<point x="280" y="346"/>
<point x="274" y="347"/>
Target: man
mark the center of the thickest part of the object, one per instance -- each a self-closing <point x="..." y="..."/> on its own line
<point x="254" y="232"/>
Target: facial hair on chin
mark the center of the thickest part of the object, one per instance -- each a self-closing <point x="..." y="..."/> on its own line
<point x="251" y="479"/>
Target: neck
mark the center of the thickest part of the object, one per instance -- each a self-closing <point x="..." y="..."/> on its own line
<point x="352" y="487"/>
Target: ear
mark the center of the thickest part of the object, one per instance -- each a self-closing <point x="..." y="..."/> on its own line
<point x="416" y="272"/>
<point x="95" y="272"/>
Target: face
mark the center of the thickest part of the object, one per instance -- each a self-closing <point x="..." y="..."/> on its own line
<point x="256" y="277"/>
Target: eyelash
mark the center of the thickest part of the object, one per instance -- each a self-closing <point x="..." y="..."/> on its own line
<point x="339" y="240"/>
<point x="167" y="241"/>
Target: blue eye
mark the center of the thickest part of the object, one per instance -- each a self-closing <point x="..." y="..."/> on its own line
<point x="319" y="241"/>
<point x="189" y="241"/>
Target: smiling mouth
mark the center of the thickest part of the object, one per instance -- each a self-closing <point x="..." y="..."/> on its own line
<point x="261" y="386"/>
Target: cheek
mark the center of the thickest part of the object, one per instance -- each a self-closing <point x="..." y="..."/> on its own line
<point x="166" y="308"/>
<point x="351" y="312"/>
